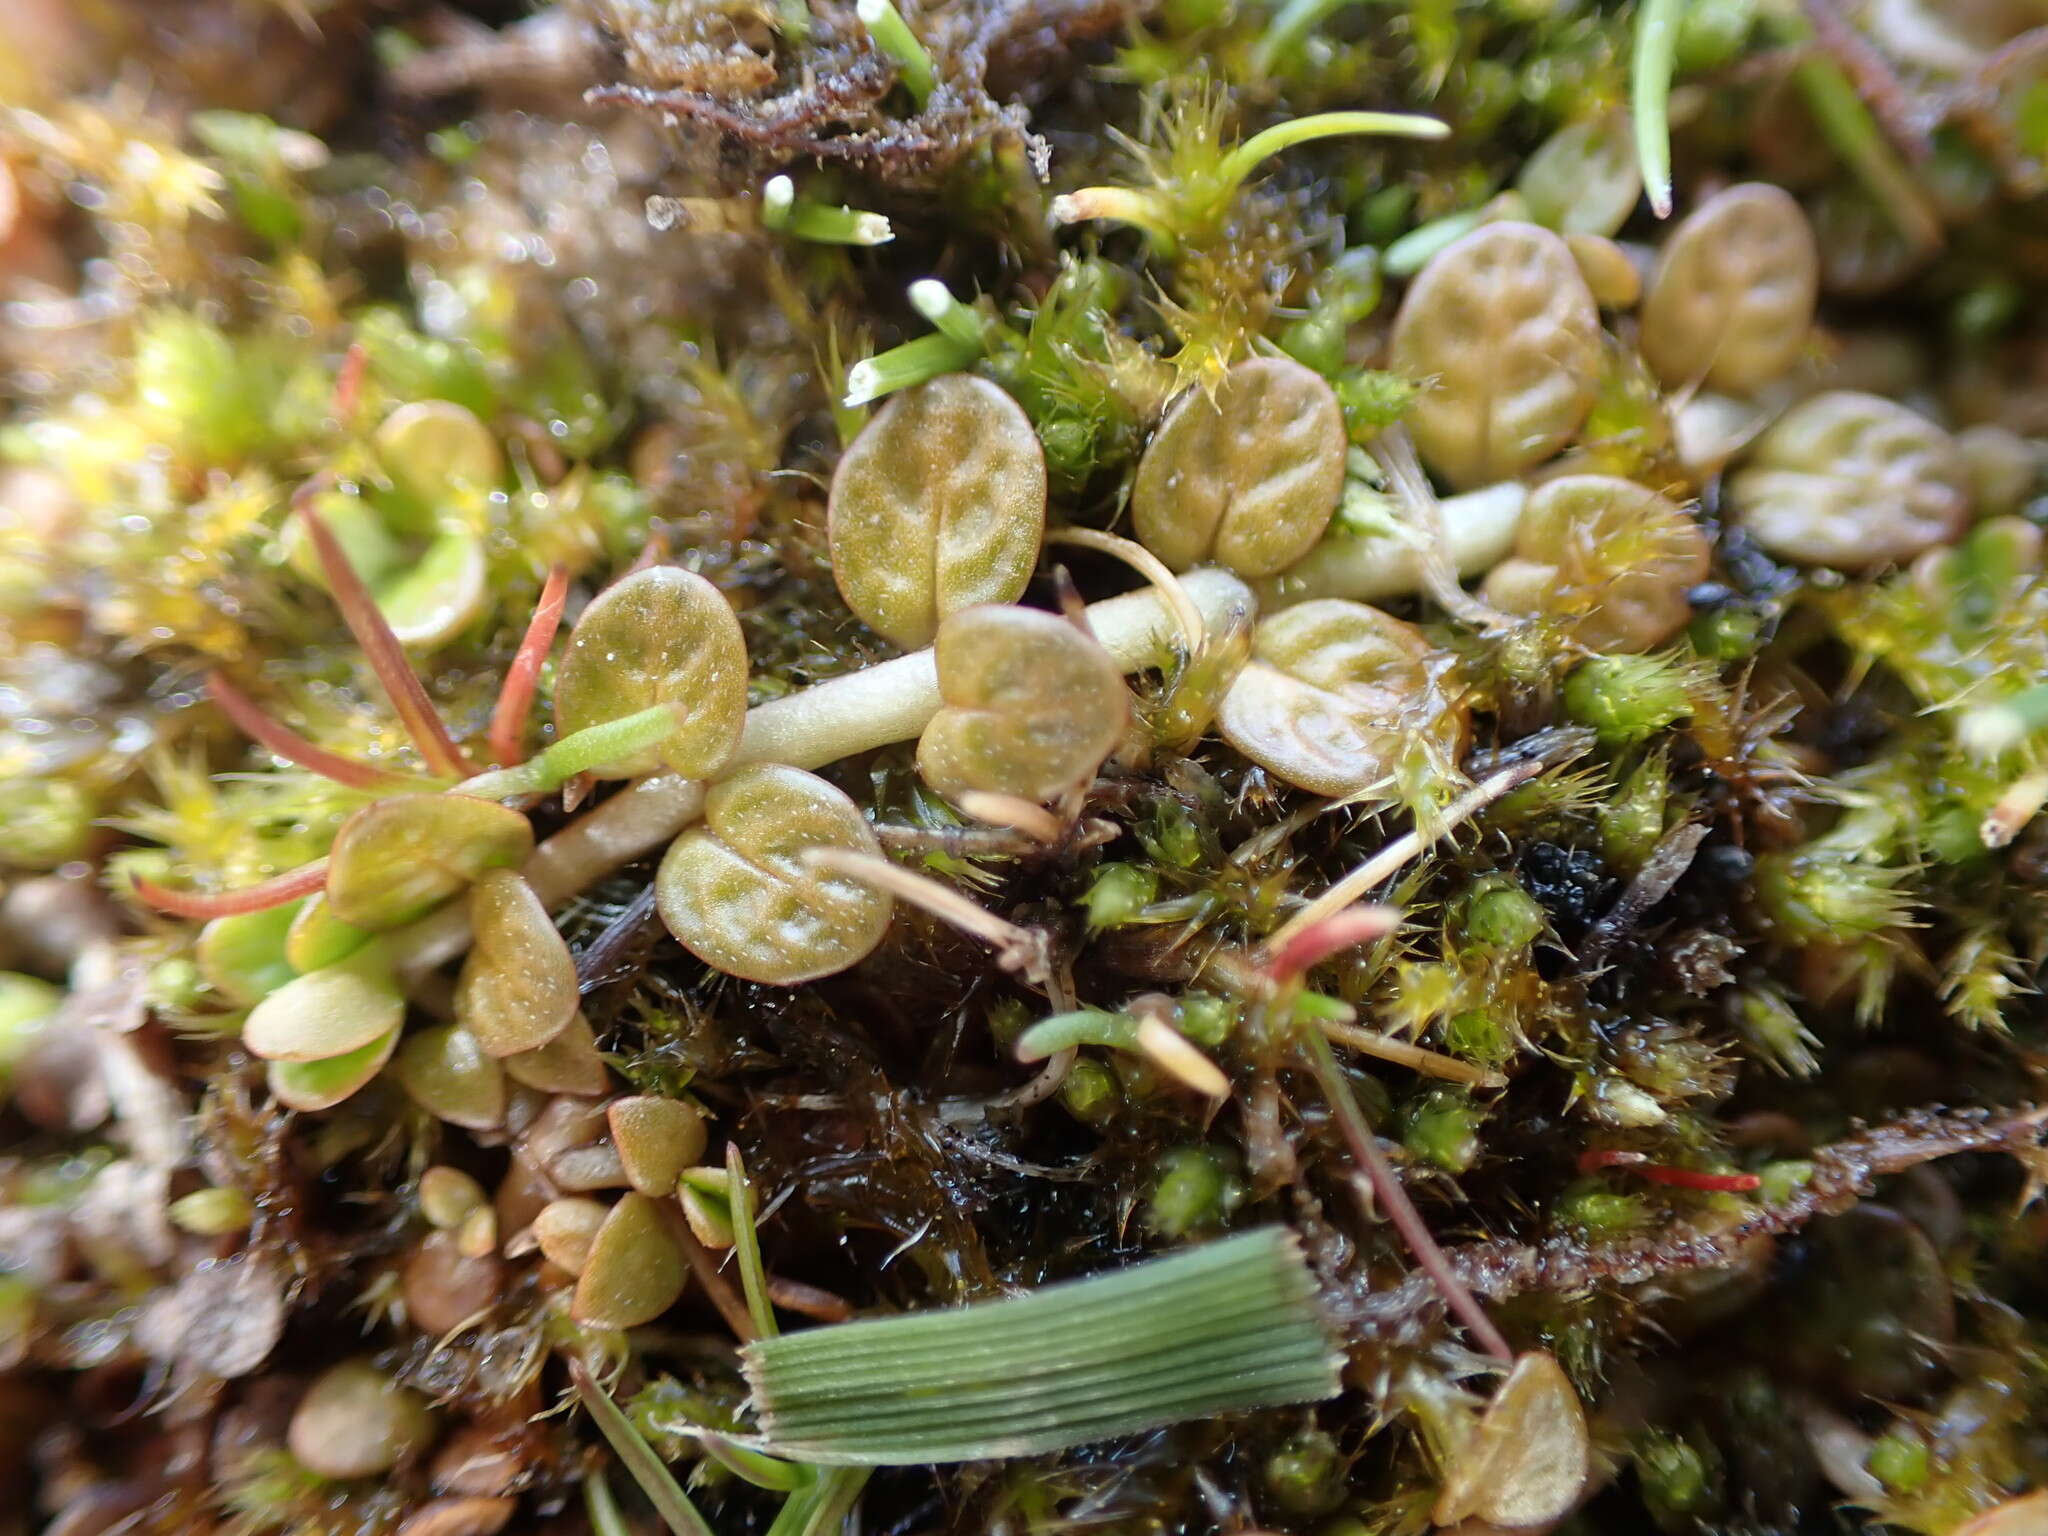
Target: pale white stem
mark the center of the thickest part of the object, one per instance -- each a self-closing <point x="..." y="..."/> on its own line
<point x="890" y="702"/>
<point x="1370" y="1042"/>
<point x="1478" y="533"/>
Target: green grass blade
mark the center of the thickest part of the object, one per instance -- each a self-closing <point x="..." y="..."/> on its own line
<point x="1656" y="52"/>
<point x="662" y="1490"/>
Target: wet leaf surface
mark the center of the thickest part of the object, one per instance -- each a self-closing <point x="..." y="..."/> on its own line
<point x="313" y="1086"/>
<point x="737" y="894"/>
<point x="938" y="504"/>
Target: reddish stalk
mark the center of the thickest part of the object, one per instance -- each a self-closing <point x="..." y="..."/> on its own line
<point x="1303" y="950"/>
<point x="282" y="741"/>
<point x="348" y="381"/>
<point x="522" y="678"/>
<point x="200" y="907"/>
<point x="386" y="656"/>
<point x="1663" y="1173"/>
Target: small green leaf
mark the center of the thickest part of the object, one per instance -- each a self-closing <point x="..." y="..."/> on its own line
<point x="312" y="1086"/>
<point x="518" y="987"/>
<point x="398" y="859"/>
<point x="243" y="956"/>
<point x="448" y="1075"/>
<point x="635" y="1269"/>
<point x="329" y="1012"/>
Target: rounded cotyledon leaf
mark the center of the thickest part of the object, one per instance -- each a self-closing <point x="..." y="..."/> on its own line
<point x="1032" y="705"/>
<point x="329" y="1012"/>
<point x="633" y="1270"/>
<point x="399" y="858"/>
<point x="448" y="1074"/>
<point x="663" y="635"/>
<point x="1504" y="330"/>
<point x="518" y="987"/>
<point x="1584" y="179"/>
<point x="1612" y="559"/>
<point x="938" y="504"/>
<point x="736" y="892"/>
<point x="312" y="1086"/>
<point x="1731" y="301"/>
<point x="434" y="449"/>
<point x="433" y="600"/>
<point x="243" y="956"/>
<point x="1337" y="695"/>
<point x="1246" y="476"/>
<point x="1852" y="481"/>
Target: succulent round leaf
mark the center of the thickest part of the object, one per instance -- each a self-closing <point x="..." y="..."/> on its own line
<point x="663" y="635"/>
<point x="633" y="1271"/>
<point x="1245" y="476"/>
<point x="435" y="599"/>
<point x="1852" y="481"/>
<point x="399" y="858"/>
<point x="1612" y="559"/>
<point x="1338" y="695"/>
<point x="518" y="988"/>
<point x="435" y="448"/>
<point x="570" y="1063"/>
<point x="448" y="1075"/>
<point x="566" y="1229"/>
<point x="735" y="890"/>
<point x="313" y="1086"/>
<point x="242" y="956"/>
<point x="317" y="937"/>
<point x="329" y="1012"/>
<point x="1584" y="179"/>
<point x="1731" y="301"/>
<point x="1032" y="705"/>
<point x="1505" y="330"/>
<point x="355" y="1421"/>
<point x="657" y="1139"/>
<point x="939" y="503"/>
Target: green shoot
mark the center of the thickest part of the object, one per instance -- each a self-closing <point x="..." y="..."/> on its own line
<point x="900" y="367"/>
<point x="892" y="35"/>
<point x="1221" y="1328"/>
<point x="1410" y="254"/>
<point x="1241" y="161"/>
<point x="601" y="1507"/>
<point x="579" y="752"/>
<point x="666" y="1495"/>
<point x="821" y="223"/>
<point x="821" y="1505"/>
<point x="948" y="316"/>
<point x="1846" y="123"/>
<point x="1654" y="55"/>
<point x="746" y="1242"/>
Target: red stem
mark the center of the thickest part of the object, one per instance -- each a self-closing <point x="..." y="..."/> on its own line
<point x="386" y="656"/>
<point x="284" y="742"/>
<point x="348" y="381"/>
<point x="1663" y="1173"/>
<point x="201" y="908"/>
<point x="522" y="678"/>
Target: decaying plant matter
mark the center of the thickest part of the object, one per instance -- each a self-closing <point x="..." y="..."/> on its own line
<point x="1022" y="765"/>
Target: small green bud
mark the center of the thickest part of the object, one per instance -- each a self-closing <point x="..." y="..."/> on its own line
<point x="1305" y="1476"/>
<point x="1373" y="401"/>
<point x="1383" y="213"/>
<point x="1316" y="340"/>
<point x="1633" y="820"/>
<point x="1770" y="1027"/>
<point x="1008" y="1019"/>
<point x="26" y="1004"/>
<point x="1173" y="836"/>
<point x="1118" y="894"/>
<point x="45" y="822"/>
<point x="1627" y="699"/>
<point x="1827" y="896"/>
<point x="1711" y="33"/>
<point x="1193" y="1188"/>
<point x="1501" y="916"/>
<point x="1783" y="1179"/>
<point x="1207" y="1019"/>
<point x="1443" y="1131"/>
<point x="1091" y="1093"/>
<point x="176" y="985"/>
<point x="1727" y="633"/>
<point x="1600" y="1213"/>
<point x="1675" y="1477"/>
<point x="1901" y="1460"/>
<point x="1476" y="1036"/>
<point x="212" y="1212"/>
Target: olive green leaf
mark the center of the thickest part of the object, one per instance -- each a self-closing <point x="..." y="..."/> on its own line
<point x="1731" y="301"/>
<point x="312" y="1086"/>
<point x="569" y="1064"/>
<point x="518" y="987"/>
<point x="448" y="1075"/>
<point x="663" y="635"/>
<point x="1337" y="694"/>
<point x="657" y="1139"/>
<point x="243" y="956"/>
<point x="736" y="892"/>
<point x="1245" y="476"/>
<point x="705" y="1195"/>
<point x="355" y="1421"/>
<point x="1524" y="1463"/>
<point x="435" y="449"/>
<point x="937" y="504"/>
<point x="1583" y="179"/>
<point x="1852" y="481"/>
<point x="566" y="1230"/>
<point x="1611" y="558"/>
<point x="317" y="937"/>
<point x="436" y="598"/>
<point x="634" y="1270"/>
<point x="1032" y="705"/>
<point x="1505" y="326"/>
<point x="328" y="1012"/>
<point x="398" y="859"/>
